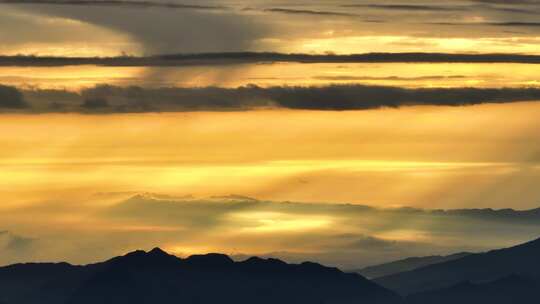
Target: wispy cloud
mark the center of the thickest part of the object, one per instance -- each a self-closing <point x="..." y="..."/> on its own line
<point x="14" y="243"/>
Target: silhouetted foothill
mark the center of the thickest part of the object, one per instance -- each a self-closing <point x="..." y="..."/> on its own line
<point x="476" y="268"/>
<point x="511" y="289"/>
<point x="386" y="269"/>
<point x="497" y="277"/>
<point x="157" y="277"/>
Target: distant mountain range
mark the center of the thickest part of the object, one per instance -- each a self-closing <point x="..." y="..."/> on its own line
<point x="510" y="275"/>
<point x="509" y="289"/>
<point x="472" y="272"/>
<point x="157" y="277"/>
<point x="407" y="264"/>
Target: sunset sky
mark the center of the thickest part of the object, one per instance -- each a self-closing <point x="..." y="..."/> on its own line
<point x="99" y="159"/>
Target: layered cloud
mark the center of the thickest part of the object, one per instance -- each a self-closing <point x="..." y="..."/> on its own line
<point x="112" y="99"/>
<point x="346" y="235"/>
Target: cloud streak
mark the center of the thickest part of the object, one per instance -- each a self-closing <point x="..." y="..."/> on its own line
<point x="308" y="12"/>
<point x="112" y="99"/>
<point x="135" y="4"/>
<point x="408" y="7"/>
<point x="253" y="57"/>
<point x="498" y="24"/>
<point x="389" y="78"/>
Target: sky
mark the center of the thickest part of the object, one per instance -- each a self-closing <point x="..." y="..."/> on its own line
<point x="202" y="153"/>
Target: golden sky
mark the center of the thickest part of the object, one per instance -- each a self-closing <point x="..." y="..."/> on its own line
<point x="423" y="75"/>
<point x="414" y="156"/>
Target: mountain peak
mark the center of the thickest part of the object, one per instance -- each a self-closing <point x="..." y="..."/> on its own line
<point x="158" y="252"/>
<point x="154" y="257"/>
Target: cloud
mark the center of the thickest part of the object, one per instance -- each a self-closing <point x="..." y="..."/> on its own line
<point x="500" y="24"/>
<point x="11" y="98"/>
<point x="205" y="59"/>
<point x="309" y="12"/>
<point x="180" y="28"/>
<point x="356" y="236"/>
<point x="514" y="2"/>
<point x="135" y="4"/>
<point x="370" y="243"/>
<point x="19" y="243"/>
<point x="95" y="103"/>
<point x="13" y="243"/>
<point x="357" y="97"/>
<point x="475" y="7"/>
<point x="112" y="99"/>
<point x="389" y="78"/>
<point x="408" y="7"/>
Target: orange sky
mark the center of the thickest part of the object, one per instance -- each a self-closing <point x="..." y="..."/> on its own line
<point x="417" y="156"/>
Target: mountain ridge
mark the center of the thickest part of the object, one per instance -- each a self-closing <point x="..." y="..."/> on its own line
<point x="155" y="276"/>
<point x="480" y="267"/>
<point x="407" y="264"/>
<point x="509" y="289"/>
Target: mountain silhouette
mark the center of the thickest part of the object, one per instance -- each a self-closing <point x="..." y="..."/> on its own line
<point x="510" y="289"/>
<point x="520" y="260"/>
<point x="157" y="277"/>
<point x="510" y="275"/>
<point x="386" y="269"/>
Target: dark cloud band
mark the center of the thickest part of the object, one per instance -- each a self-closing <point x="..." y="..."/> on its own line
<point x="11" y="98"/>
<point x="125" y="3"/>
<point x="111" y="99"/>
<point x="251" y="57"/>
<point x="308" y="12"/>
<point x="408" y="7"/>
